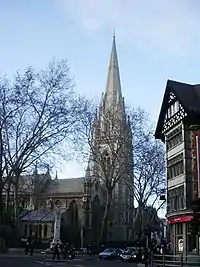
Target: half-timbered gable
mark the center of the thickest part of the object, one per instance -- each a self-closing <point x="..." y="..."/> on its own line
<point x="174" y="114"/>
<point x="180" y="101"/>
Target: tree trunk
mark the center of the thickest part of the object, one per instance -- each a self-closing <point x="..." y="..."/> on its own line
<point x="8" y="196"/>
<point x="1" y="181"/>
<point x="1" y="207"/>
<point x="16" y="208"/>
<point x="104" y="223"/>
<point x="137" y="216"/>
<point x="16" y="205"/>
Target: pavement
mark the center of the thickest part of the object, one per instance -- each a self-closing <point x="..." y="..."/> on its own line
<point x="21" y="260"/>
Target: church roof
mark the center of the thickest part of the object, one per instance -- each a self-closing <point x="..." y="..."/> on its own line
<point x="189" y="97"/>
<point x="41" y="215"/>
<point x="65" y="186"/>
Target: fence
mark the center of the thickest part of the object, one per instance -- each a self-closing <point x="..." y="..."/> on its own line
<point x="181" y="260"/>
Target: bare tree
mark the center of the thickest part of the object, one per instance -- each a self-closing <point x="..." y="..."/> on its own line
<point x="26" y="185"/>
<point x="38" y="112"/>
<point x="148" y="222"/>
<point x="106" y="141"/>
<point x="149" y="164"/>
<point x="123" y="152"/>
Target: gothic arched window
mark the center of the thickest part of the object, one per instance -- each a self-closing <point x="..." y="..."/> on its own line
<point x="96" y="217"/>
<point x="107" y="159"/>
<point x="73" y="213"/>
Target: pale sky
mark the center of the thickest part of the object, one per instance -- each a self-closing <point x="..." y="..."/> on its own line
<point x="156" y="40"/>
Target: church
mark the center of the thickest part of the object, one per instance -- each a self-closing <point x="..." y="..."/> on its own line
<point x="82" y="200"/>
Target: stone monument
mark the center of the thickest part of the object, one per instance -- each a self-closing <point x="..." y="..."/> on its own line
<point x="57" y="226"/>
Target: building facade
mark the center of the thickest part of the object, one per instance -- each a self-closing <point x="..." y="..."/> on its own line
<point x="82" y="200"/>
<point x="77" y="202"/>
<point x="180" y="109"/>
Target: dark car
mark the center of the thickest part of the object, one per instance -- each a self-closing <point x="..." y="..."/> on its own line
<point x="130" y="254"/>
<point x="110" y="254"/>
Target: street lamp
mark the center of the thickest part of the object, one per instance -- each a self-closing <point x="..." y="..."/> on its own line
<point x="162" y="198"/>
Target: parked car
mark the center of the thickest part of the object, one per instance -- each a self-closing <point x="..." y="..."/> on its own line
<point x="110" y="254"/>
<point x="130" y="254"/>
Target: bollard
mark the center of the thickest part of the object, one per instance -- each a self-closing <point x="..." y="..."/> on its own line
<point x="181" y="260"/>
<point x="151" y="259"/>
<point x="163" y="258"/>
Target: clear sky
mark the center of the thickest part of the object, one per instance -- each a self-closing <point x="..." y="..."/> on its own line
<point x="156" y="40"/>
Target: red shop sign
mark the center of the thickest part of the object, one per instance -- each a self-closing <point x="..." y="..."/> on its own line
<point x="180" y="219"/>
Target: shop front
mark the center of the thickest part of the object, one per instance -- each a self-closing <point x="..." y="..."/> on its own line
<point x="182" y="240"/>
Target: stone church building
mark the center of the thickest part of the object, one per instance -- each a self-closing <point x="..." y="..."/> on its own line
<point x="82" y="200"/>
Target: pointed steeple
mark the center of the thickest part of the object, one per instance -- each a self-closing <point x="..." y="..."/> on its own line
<point x="35" y="172"/>
<point x="55" y="181"/>
<point x="56" y="177"/>
<point x="113" y="87"/>
<point x="88" y="172"/>
<point x="48" y="175"/>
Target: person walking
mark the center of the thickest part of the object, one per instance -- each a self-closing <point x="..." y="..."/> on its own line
<point x="26" y="248"/>
<point x="65" y="251"/>
<point x="56" y="252"/>
<point x="71" y="254"/>
<point x="89" y="250"/>
<point x="31" y="249"/>
<point x="146" y="256"/>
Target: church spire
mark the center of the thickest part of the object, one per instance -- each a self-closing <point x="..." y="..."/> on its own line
<point x="113" y="87"/>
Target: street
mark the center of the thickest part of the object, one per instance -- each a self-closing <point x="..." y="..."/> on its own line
<point x="37" y="260"/>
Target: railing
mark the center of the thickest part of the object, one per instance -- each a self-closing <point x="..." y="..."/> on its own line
<point x="181" y="260"/>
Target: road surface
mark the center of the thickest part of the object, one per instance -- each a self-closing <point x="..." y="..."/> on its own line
<point x="40" y="260"/>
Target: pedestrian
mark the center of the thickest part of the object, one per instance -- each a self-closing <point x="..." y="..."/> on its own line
<point x="56" y="251"/>
<point x="31" y="249"/>
<point x="71" y="254"/>
<point x="26" y="248"/>
<point x="89" y="249"/>
<point x="140" y="254"/>
<point x="65" y="250"/>
<point x="146" y="256"/>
